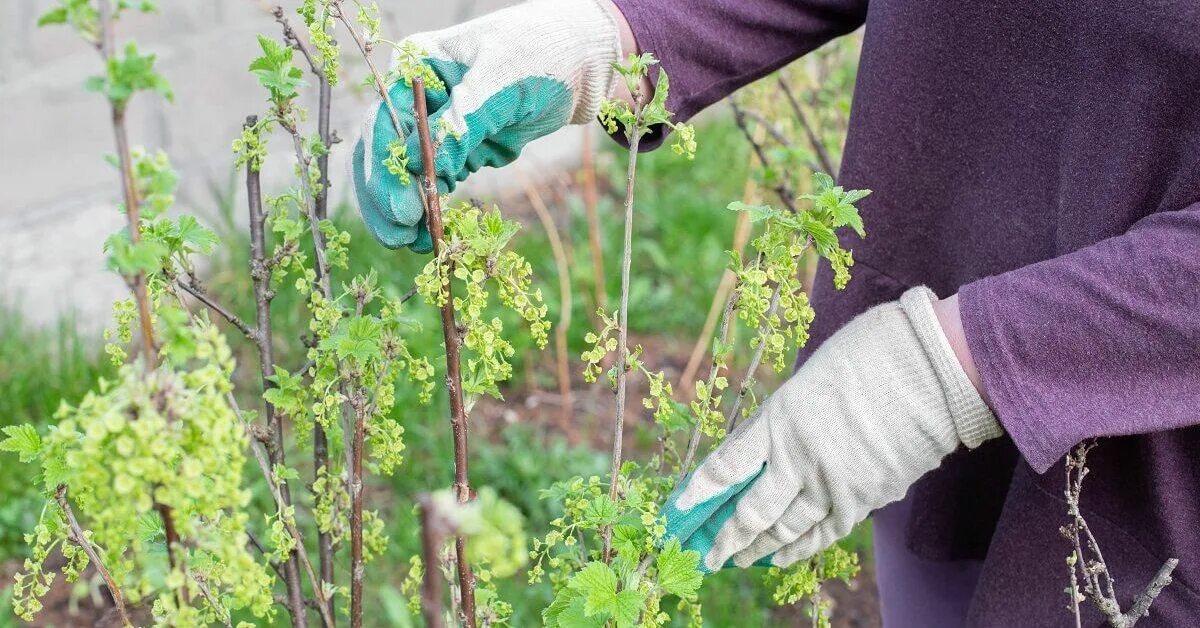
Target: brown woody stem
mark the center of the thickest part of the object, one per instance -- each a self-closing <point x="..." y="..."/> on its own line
<point x="458" y="414"/>
<point x="77" y="536"/>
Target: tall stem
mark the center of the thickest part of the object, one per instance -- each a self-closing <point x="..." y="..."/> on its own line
<point x="264" y="340"/>
<point x="356" y="512"/>
<point x="458" y="414"/>
<point x="623" y="318"/>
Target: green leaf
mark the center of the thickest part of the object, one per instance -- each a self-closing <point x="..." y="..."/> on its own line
<point x="758" y="213"/>
<point x="196" y="236"/>
<point x="575" y="616"/>
<point x="597" y="583"/>
<point x="822" y="235"/>
<point x="601" y="511"/>
<point x="845" y="214"/>
<point x="822" y="181"/>
<point x="53" y="16"/>
<point x="677" y="569"/>
<point x="22" y="440"/>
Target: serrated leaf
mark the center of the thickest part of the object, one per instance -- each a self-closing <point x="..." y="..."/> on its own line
<point x="678" y="572"/>
<point x="22" y="440"/>
<point x="845" y="214"/>
<point x="758" y="213"/>
<point x="597" y="583"/>
<point x="574" y="616"/>
<point x="197" y="236"/>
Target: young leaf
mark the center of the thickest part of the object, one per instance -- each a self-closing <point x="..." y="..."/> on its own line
<point x="677" y="569"/>
<point x="758" y="213"/>
<point x="22" y="440"/>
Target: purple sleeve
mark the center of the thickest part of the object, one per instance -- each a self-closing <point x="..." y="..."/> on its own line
<point x="1104" y="341"/>
<point x="712" y="47"/>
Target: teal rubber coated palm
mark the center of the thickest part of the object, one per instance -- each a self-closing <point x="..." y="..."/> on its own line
<point x="510" y="77"/>
<point x="697" y="526"/>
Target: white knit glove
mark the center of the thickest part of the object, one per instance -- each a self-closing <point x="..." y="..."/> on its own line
<point x="877" y="406"/>
<point x="511" y="76"/>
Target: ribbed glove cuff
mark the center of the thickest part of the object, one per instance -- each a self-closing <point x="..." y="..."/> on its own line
<point x="972" y="417"/>
<point x="582" y="29"/>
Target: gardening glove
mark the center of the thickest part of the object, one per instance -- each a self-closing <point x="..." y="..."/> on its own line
<point x="512" y="76"/>
<point x="877" y="406"/>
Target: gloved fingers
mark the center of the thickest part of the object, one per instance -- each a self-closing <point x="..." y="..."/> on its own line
<point x="800" y="517"/>
<point x="819" y="537"/>
<point x="698" y="529"/>
<point x="713" y="511"/>
<point x="757" y="510"/>
<point x="733" y="462"/>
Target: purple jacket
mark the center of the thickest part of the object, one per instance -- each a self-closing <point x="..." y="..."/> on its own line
<point x="1042" y="159"/>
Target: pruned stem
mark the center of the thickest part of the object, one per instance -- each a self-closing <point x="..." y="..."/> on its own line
<point x="76" y="535"/>
<point x="635" y="134"/>
<point x="458" y="414"/>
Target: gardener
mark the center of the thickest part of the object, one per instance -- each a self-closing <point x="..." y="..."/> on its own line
<point x="1036" y="163"/>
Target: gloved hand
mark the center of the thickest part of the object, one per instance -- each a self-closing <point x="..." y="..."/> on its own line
<point x="877" y="406"/>
<point x="512" y="76"/>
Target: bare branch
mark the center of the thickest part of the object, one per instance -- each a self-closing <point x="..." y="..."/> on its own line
<point x="813" y="139"/>
<point x="194" y="288"/>
<point x="79" y="537"/>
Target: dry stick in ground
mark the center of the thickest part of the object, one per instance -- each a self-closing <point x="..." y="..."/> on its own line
<point x="76" y="534"/>
<point x="320" y="440"/>
<point x="562" y="357"/>
<point x="433" y="216"/>
<point x="623" y="318"/>
<point x="1097" y="580"/>
<point x="590" y="201"/>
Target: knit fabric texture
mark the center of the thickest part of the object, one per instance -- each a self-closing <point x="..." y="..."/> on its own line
<point x="877" y="406"/>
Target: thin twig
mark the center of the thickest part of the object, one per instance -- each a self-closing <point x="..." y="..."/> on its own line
<point x="194" y="288"/>
<point x="714" y="371"/>
<point x="781" y="189"/>
<point x="813" y="139"/>
<point x="79" y="537"/>
<point x="635" y="134"/>
<point x="1098" y="581"/>
<point x="748" y="380"/>
<point x="222" y="613"/>
<point x="741" y="234"/>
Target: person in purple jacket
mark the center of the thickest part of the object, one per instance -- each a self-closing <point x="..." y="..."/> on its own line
<point x="1038" y="165"/>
